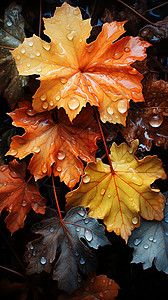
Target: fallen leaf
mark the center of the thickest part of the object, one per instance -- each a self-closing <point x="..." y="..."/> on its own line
<point x="11" y="35"/>
<point x="61" y="241"/>
<point x="73" y="72"/>
<point x="55" y="142"/>
<point x="121" y="197"/>
<point x="150" y="243"/>
<point x="17" y="196"/>
<point x="6" y="132"/>
<point x="155" y="33"/>
<point x="147" y="121"/>
<point x="95" y="287"/>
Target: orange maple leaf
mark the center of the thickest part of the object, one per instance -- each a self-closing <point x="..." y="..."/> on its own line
<point x="73" y="72"/>
<point x="18" y="196"/>
<point x="59" y="143"/>
<point x="120" y="198"/>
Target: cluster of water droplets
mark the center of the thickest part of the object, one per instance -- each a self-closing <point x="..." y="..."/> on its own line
<point x="138" y="241"/>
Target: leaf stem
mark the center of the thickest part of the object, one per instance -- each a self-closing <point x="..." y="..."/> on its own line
<point x="56" y="199"/>
<point x="104" y="141"/>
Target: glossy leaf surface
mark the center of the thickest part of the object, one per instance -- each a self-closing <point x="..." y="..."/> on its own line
<point x="121" y="197"/>
<point x="73" y="72"/>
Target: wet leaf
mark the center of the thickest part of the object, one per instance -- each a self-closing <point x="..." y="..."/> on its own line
<point x="11" y="35"/>
<point x="73" y="72"/>
<point x="147" y="121"/>
<point x="150" y="243"/>
<point x="95" y="287"/>
<point x="155" y="33"/>
<point x="120" y="198"/>
<point x="59" y="143"/>
<point x="17" y="196"/>
<point x="6" y="132"/>
<point x="63" y="238"/>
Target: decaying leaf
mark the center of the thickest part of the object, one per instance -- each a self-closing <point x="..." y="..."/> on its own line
<point x="63" y="238"/>
<point x="155" y="33"/>
<point x="121" y="197"/>
<point x="11" y="35"/>
<point x="55" y="142"/>
<point x="73" y="72"/>
<point x="147" y="121"/>
<point x="150" y="242"/>
<point x="95" y="287"/>
<point x="17" y="196"/>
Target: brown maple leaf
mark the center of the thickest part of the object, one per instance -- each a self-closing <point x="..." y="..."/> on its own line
<point x="17" y="196"/>
<point x="73" y="72"/>
<point x="55" y="142"/>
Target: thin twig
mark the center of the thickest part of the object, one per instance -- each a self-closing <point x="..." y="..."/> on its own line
<point x="156" y="6"/>
<point x="10" y="270"/>
<point x="56" y="199"/>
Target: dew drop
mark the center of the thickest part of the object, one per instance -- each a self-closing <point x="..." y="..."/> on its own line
<point x="39" y="70"/>
<point x="23" y="50"/>
<point x="77" y="229"/>
<point x="82" y="261"/>
<point x="46" y="46"/>
<point x="73" y="104"/>
<point x="31" y="247"/>
<point x="89" y="48"/>
<point x="146" y="246"/>
<point x="57" y="97"/>
<point x="75" y="12"/>
<point x="36" y="149"/>
<point x="31" y="43"/>
<point x="44" y="168"/>
<point x="135" y="220"/>
<point x="86" y="179"/>
<point x="118" y="55"/>
<point x="150" y="238"/>
<point x="86" y="221"/>
<point x="45" y="105"/>
<point x="9" y="23"/>
<point x="61" y="155"/>
<point x="137" y="241"/>
<point x="59" y="169"/>
<point x="156" y="120"/>
<point x="43" y="260"/>
<point x="13" y="152"/>
<point x="38" y="53"/>
<point x="76" y="253"/>
<point x="18" y="57"/>
<point x="24" y="202"/>
<point x="110" y="110"/>
<point x="133" y="71"/>
<point x="102" y="191"/>
<point x="80" y="40"/>
<point x="70" y="36"/>
<point x="63" y="80"/>
<point x="28" y="65"/>
<point x="127" y="49"/>
<point x="51" y="103"/>
<point x="30" y="112"/>
<point x="166" y="218"/>
<point x="51" y="229"/>
<point x="88" y="235"/>
<point x="81" y="212"/>
<point x="109" y="195"/>
<point x="122" y="106"/>
<point x="43" y="97"/>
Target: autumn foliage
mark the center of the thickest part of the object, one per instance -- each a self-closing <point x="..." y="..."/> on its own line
<point x="59" y="134"/>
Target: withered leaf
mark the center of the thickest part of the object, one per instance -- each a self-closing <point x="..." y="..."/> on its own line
<point x="61" y="241"/>
<point x="11" y="35"/>
<point x="155" y="33"/>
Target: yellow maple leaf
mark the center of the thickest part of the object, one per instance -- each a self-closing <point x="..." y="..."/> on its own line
<point x="122" y="196"/>
<point x="73" y="72"/>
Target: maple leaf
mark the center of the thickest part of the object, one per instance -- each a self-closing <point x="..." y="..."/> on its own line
<point x="11" y="35"/>
<point x="64" y="239"/>
<point x="17" y="196"/>
<point x="55" y="143"/>
<point x="147" y="121"/>
<point x="95" y="287"/>
<point x="150" y="242"/>
<point x="121" y="197"/>
<point x="73" y="72"/>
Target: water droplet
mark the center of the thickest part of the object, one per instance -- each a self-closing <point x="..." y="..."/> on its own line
<point x="51" y="229"/>
<point x="118" y="55"/>
<point x="43" y="97"/>
<point x="51" y="103"/>
<point x="88" y="235"/>
<point x="129" y="159"/>
<point x="5" y="183"/>
<point x="102" y="191"/>
<point x="89" y="48"/>
<point x="61" y="155"/>
<point x="9" y="23"/>
<point x="23" y="50"/>
<point x="156" y="120"/>
<point x="31" y="43"/>
<point x="28" y="65"/>
<point x="45" y="105"/>
<point x="44" y="168"/>
<point x="31" y="247"/>
<point x="18" y="57"/>
<point x="73" y="104"/>
<point x="122" y="106"/>
<point x="133" y="71"/>
<point x="86" y="179"/>
<point x="80" y="40"/>
<point x="57" y="97"/>
<point x="38" y="53"/>
<point x="86" y="221"/>
<point x="150" y="238"/>
<point x="77" y="229"/>
<point x="34" y="252"/>
<point x="81" y="212"/>
<point x="135" y="220"/>
<point x="146" y="246"/>
<point x="39" y="70"/>
<point x="82" y="261"/>
<point x="63" y="80"/>
<point x="13" y="152"/>
<point x="43" y="260"/>
<point x="137" y="241"/>
<point x="59" y="169"/>
<point x="76" y="12"/>
<point x="3" y="168"/>
<point x="76" y="253"/>
<point x="46" y="46"/>
<point x="127" y="49"/>
<point x="70" y="36"/>
<point x="110" y="110"/>
<point x="24" y="202"/>
<point x="109" y="195"/>
<point x="36" y="149"/>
